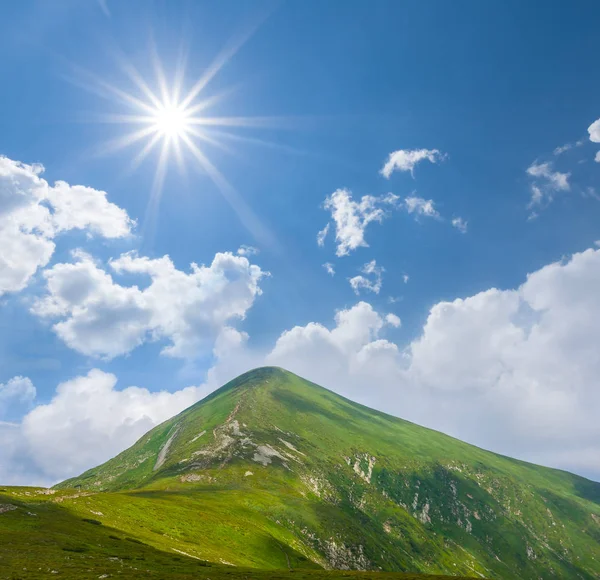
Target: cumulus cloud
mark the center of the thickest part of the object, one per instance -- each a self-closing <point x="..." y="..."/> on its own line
<point x="100" y="317"/>
<point x="329" y="268"/>
<point x="407" y="159"/>
<point x="87" y="422"/>
<point x="594" y="131"/>
<point x="393" y="320"/>
<point x="351" y="218"/>
<point x="460" y="224"/>
<point x="16" y="390"/>
<point x="372" y="280"/>
<point x="33" y="213"/>
<point x="514" y="371"/>
<point x="421" y="207"/>
<point x="244" y="250"/>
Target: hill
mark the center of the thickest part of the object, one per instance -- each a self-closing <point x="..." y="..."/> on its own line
<point x="274" y="472"/>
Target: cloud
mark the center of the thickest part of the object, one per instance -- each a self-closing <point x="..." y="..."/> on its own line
<point x="372" y="284"/>
<point x="514" y="371"/>
<point x="33" y="213"/>
<point x="322" y="235"/>
<point x="421" y="207"/>
<point x="16" y="390"/>
<point x="523" y="362"/>
<point x="329" y="268"/>
<point x="460" y="224"/>
<point x="547" y="182"/>
<point x="594" y="131"/>
<point x="406" y="160"/>
<point x="393" y="320"/>
<point x="87" y="422"/>
<point x="244" y="250"/>
<point x="351" y="218"/>
<point x="405" y="278"/>
<point x="560" y="150"/>
<point x="597" y="158"/>
<point x="100" y="317"/>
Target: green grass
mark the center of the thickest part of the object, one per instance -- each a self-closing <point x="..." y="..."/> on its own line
<point x="346" y="487"/>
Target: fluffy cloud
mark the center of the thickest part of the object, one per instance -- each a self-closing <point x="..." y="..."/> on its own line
<point x="514" y="371"/>
<point x="100" y="317"/>
<point x="421" y="207"/>
<point x="87" y="422"/>
<point x="594" y="131"/>
<point x="460" y="224"/>
<point x="33" y="213"/>
<point x="16" y="390"/>
<point x="351" y="218"/>
<point x="373" y="282"/>
<point x="597" y="158"/>
<point x="405" y="160"/>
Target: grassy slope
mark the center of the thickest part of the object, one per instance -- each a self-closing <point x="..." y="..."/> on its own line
<point x="430" y="504"/>
<point x="58" y="536"/>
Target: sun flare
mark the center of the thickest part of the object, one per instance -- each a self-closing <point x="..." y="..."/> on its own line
<point x="172" y="121"/>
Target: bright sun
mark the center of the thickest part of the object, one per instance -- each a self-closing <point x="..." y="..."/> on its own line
<point x="178" y="123"/>
<point x="172" y="121"/>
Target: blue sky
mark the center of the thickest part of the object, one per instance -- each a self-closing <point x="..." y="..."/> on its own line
<point x="492" y="89"/>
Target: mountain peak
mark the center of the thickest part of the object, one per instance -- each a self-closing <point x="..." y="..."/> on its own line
<point x="360" y="489"/>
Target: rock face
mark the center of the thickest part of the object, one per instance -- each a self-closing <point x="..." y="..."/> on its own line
<point x="352" y="488"/>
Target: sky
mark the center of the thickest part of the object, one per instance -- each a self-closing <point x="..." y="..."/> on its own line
<point x="397" y="200"/>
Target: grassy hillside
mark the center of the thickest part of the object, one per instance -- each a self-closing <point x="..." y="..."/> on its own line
<point x="274" y="472"/>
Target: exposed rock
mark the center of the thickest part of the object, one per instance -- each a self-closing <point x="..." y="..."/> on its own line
<point x="7" y="507"/>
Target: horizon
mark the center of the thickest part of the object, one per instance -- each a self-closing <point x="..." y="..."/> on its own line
<point x="391" y="201"/>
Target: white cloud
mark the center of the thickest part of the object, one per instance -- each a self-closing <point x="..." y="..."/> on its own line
<point x="406" y="159"/>
<point x="460" y="224"/>
<point x="405" y="278"/>
<point x="597" y="158"/>
<point x="515" y="371"/>
<point x="87" y="422"/>
<point x="244" y="250"/>
<point x="594" y="131"/>
<point x="372" y="284"/>
<point x="523" y="362"/>
<point x="322" y="235"/>
<point x="393" y="320"/>
<point x="100" y="317"/>
<point x="33" y="213"/>
<point x="421" y="207"/>
<point x="547" y="183"/>
<point x="16" y="390"/>
<point x="351" y="218"/>
<point x="329" y="268"/>
<point x="555" y="179"/>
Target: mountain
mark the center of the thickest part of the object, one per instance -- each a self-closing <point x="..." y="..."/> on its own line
<point x="272" y="471"/>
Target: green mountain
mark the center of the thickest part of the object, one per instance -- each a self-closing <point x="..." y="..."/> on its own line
<point x="274" y="472"/>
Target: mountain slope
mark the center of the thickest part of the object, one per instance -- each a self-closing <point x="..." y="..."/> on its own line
<point x="274" y="471"/>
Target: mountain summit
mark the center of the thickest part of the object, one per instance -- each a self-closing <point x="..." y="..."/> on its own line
<point x="273" y="471"/>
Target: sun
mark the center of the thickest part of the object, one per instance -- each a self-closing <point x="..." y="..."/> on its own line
<point x="161" y="118"/>
<point x="172" y="121"/>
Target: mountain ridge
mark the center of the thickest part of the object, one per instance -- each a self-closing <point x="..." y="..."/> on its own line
<point x="345" y="486"/>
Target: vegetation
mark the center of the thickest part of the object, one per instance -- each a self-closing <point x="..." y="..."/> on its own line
<point x="273" y="473"/>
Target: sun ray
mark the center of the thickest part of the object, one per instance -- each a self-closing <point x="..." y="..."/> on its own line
<point x="161" y="114"/>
